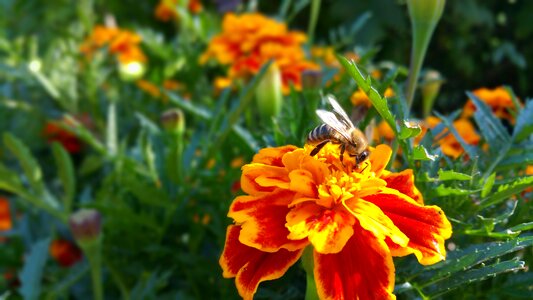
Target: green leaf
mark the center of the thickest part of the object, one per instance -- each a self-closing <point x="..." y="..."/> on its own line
<point x="188" y="106"/>
<point x="522" y="227"/>
<point x="519" y="160"/>
<point x="420" y="153"/>
<point x="452" y="175"/>
<point x="409" y="130"/>
<point x="9" y="180"/>
<point x="487" y="185"/>
<point x="32" y="271"/>
<point x="443" y="190"/>
<point x="65" y="169"/>
<point x="461" y="260"/>
<point x="380" y="103"/>
<point x="491" y="128"/>
<point x="471" y="276"/>
<point x="31" y="168"/>
<point x="517" y="286"/>
<point x="506" y="191"/>
<point x="524" y="123"/>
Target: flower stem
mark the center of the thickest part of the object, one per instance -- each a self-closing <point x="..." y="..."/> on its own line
<point x="425" y="15"/>
<point x="315" y="11"/>
<point x="308" y="265"/>
<point x="92" y="250"/>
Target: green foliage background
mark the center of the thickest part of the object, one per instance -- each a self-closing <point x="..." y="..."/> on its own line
<point x="152" y="185"/>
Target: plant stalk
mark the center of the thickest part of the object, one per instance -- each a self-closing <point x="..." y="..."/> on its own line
<point x="313" y="19"/>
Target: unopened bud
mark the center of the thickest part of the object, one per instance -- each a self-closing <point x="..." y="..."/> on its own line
<point x="268" y="93"/>
<point x="430" y="90"/>
<point x="427" y="12"/>
<point x="311" y="79"/>
<point x="173" y="120"/>
<point x="86" y="225"/>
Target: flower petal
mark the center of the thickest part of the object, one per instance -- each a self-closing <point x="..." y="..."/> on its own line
<point x="263" y="221"/>
<point x="328" y="230"/>
<point x="372" y="218"/>
<point x="380" y="158"/>
<point x="362" y="270"/>
<point x="426" y="226"/>
<point x="273" y="156"/>
<point x="258" y="178"/>
<point x="404" y="182"/>
<point x="252" y="266"/>
<point x="302" y="182"/>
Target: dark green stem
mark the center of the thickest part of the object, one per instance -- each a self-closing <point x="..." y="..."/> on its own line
<point x="313" y="18"/>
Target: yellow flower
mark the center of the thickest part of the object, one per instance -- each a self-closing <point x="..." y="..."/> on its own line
<point x="250" y="40"/>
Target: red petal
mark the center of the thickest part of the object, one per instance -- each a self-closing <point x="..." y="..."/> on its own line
<point x="252" y="266"/>
<point x="263" y="221"/>
<point x="362" y="270"/>
<point x="426" y="226"/>
<point x="404" y="182"/>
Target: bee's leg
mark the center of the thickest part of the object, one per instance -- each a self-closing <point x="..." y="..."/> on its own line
<point x="318" y="147"/>
<point x="343" y="147"/>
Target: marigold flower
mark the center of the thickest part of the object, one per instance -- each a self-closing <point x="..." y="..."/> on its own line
<point x="54" y="131"/>
<point x="498" y="99"/>
<point x="122" y="43"/>
<point x="166" y="9"/>
<point x="5" y="215"/>
<point x="65" y="252"/>
<point x="449" y="144"/>
<point x="250" y="40"/>
<point x="355" y="219"/>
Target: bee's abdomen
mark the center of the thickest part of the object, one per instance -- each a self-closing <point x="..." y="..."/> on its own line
<point x="319" y="134"/>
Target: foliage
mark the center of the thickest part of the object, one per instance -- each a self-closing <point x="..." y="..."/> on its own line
<point x="164" y="189"/>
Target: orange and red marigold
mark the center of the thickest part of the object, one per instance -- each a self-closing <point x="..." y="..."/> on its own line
<point x="355" y="219"/>
<point x="248" y="41"/>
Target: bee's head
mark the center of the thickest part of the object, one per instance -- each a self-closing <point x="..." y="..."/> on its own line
<point x="362" y="156"/>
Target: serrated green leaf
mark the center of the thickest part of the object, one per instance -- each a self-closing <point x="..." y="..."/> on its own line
<point x="461" y="260"/>
<point x="471" y="276"/>
<point x="420" y="153"/>
<point x="409" y="130"/>
<point x="32" y="272"/>
<point x="491" y="128"/>
<point x="524" y="123"/>
<point x="443" y="190"/>
<point x="380" y="103"/>
<point x="506" y="191"/>
<point x="66" y="174"/>
<point x="29" y="164"/>
<point x="452" y="175"/>
<point x="487" y="185"/>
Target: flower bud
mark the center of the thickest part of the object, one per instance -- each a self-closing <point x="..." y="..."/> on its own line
<point x="311" y="79"/>
<point x="86" y="225"/>
<point x="173" y="120"/>
<point x="268" y="93"/>
<point x="426" y="12"/>
<point x="131" y="71"/>
<point x="430" y="90"/>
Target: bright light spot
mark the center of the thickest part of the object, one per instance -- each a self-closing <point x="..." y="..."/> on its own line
<point x="131" y="71"/>
<point x="35" y="65"/>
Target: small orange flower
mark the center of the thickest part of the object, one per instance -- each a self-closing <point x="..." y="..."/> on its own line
<point x="65" y="252"/>
<point x="122" y="43"/>
<point x="498" y="99"/>
<point x="447" y="141"/>
<point x="383" y="130"/>
<point x="355" y="219"/>
<point x="5" y="214"/>
<point x="166" y="9"/>
<point x="249" y="41"/>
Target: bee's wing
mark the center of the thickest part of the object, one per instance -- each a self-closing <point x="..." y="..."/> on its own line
<point x="338" y="109"/>
<point x="333" y="121"/>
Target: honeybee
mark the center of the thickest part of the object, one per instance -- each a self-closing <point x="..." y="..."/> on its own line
<point x="338" y="129"/>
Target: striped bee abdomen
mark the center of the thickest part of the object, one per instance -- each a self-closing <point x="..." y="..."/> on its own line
<point x="320" y="133"/>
